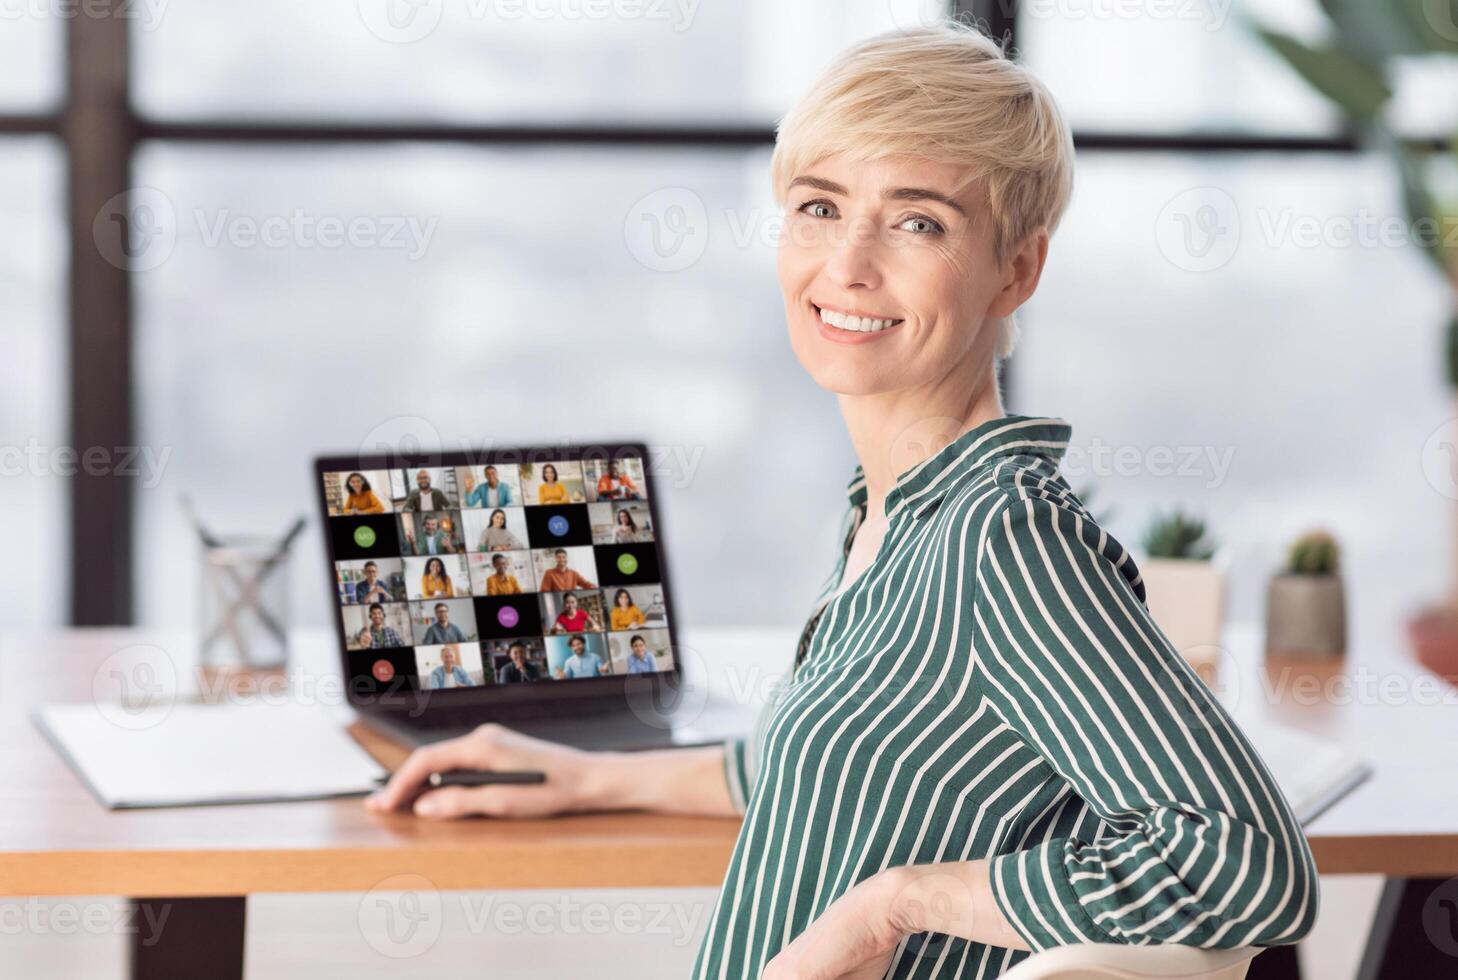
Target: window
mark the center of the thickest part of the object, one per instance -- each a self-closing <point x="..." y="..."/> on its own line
<point x="33" y="491"/>
<point x="31" y="42"/>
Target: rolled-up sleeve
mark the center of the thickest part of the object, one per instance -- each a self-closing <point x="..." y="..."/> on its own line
<point x="738" y="773"/>
<point x="1195" y="843"/>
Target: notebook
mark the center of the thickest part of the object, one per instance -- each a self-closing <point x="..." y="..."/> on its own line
<point x="1312" y="772"/>
<point x="193" y="755"/>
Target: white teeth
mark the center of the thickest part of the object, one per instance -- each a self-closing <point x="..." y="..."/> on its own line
<point x="860" y="324"/>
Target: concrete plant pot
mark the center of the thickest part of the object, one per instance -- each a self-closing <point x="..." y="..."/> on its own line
<point x="1186" y="597"/>
<point x="1306" y="617"/>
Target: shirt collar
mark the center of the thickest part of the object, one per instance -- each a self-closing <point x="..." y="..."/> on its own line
<point x="928" y="481"/>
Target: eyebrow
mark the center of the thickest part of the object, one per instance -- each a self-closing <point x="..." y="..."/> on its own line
<point x="895" y="194"/>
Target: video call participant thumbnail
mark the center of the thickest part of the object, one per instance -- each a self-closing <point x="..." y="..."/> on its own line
<point x="628" y="564"/>
<point x="574" y="612"/>
<point x="433" y="533"/>
<point x="373" y="588"/>
<point x="560" y="577"/>
<point x="360" y="497"/>
<point x="625" y="614"/>
<point x="640" y="661"/>
<point x="508" y="617"/>
<point x="560" y="526"/>
<point x="373" y="673"/>
<point x="518" y="668"/>
<point x="369" y="536"/>
<point x="616" y="484"/>
<point x="441" y="629"/>
<point x="492" y="490"/>
<point x="582" y="662"/>
<point x="381" y="628"/>
<point x="426" y="496"/>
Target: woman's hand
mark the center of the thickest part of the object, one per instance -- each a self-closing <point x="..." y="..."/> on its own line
<point x="854" y="939"/>
<point x="576" y="780"/>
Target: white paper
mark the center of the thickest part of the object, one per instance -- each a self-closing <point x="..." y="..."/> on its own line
<point x="191" y="754"/>
<point x="1312" y="772"/>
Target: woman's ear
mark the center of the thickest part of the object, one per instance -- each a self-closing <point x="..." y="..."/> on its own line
<point x="1021" y="273"/>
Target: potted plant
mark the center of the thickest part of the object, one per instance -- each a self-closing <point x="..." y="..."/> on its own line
<point x="1184" y="586"/>
<point x="1354" y="67"/>
<point x="1306" y="606"/>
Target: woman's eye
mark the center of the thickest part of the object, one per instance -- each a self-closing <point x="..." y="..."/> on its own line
<point x="817" y="209"/>
<point x="921" y="226"/>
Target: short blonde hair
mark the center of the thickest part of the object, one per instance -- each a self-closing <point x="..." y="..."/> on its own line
<point x="947" y="94"/>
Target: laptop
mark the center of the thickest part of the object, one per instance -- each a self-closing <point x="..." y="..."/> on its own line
<point x="524" y="586"/>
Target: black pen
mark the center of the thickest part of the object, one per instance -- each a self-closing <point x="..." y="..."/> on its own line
<point x="479" y="777"/>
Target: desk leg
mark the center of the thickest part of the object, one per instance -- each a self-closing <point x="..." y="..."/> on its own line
<point x="1415" y="931"/>
<point x="1275" y="963"/>
<point x="185" y="938"/>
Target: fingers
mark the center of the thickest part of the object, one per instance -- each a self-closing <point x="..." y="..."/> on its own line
<point x="457" y="753"/>
<point x="453" y="802"/>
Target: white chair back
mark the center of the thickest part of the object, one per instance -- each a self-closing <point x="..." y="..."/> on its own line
<point x="1112" y="962"/>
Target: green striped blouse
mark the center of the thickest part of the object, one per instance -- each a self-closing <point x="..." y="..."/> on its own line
<point x="992" y="687"/>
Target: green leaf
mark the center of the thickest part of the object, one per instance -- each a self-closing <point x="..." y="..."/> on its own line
<point x="1433" y="22"/>
<point x="1356" y="85"/>
<point x="1378" y="30"/>
<point x="1451" y="348"/>
<point x="1424" y="216"/>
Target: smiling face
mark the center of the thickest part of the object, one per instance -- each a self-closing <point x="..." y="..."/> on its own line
<point x="889" y="274"/>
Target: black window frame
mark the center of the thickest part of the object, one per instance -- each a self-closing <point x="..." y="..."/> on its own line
<point x="100" y="132"/>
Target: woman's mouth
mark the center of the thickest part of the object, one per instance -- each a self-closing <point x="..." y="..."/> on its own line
<point x="853" y="327"/>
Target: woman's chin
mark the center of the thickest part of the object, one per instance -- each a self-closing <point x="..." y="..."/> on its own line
<point x="851" y="379"/>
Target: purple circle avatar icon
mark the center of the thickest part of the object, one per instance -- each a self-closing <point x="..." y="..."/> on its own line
<point x="507" y="616"/>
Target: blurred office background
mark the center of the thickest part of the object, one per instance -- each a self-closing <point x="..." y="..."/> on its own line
<point x="507" y="176"/>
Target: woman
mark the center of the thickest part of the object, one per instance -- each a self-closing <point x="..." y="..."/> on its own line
<point x="626" y="531"/>
<point x="496" y="537"/>
<point x="626" y="614"/>
<point x="551" y="491"/>
<point x="361" y="499"/>
<point x="983" y="736"/>
<point x="436" y="583"/>
<point x="572" y="619"/>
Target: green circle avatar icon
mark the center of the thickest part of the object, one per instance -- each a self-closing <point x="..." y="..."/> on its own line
<point x="364" y="536"/>
<point x="627" y="564"/>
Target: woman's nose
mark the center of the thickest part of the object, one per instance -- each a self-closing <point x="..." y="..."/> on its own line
<point x="856" y="257"/>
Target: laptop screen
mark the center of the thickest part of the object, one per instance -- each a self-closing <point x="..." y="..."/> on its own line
<point x="502" y="569"/>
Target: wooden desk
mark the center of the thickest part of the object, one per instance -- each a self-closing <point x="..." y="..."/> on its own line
<point x="56" y="840"/>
